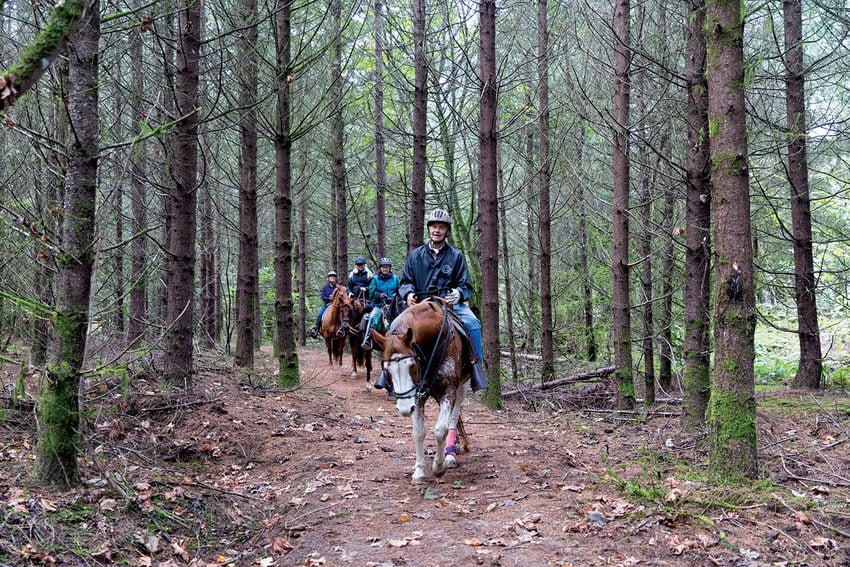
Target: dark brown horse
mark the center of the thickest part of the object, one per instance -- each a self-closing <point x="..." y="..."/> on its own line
<point x="336" y="318"/>
<point x="360" y="357"/>
<point x="426" y="357"/>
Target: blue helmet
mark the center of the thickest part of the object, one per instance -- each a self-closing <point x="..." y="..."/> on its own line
<point x="360" y="260"/>
<point x="385" y="262"/>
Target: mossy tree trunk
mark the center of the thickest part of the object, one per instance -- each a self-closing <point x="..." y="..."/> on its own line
<point x="620" y="223"/>
<point x="696" y="379"/>
<point x="58" y="404"/>
<point x="731" y="409"/>
<point x="288" y="371"/>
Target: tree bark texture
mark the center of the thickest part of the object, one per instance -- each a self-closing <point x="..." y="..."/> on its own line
<point x="488" y="200"/>
<point x="247" y="278"/>
<point x="58" y="405"/>
<point x="805" y="281"/>
<point x="138" y="314"/>
<point x="732" y="407"/>
<point x="620" y="223"/>
<point x="178" y="362"/>
<point x="380" y="154"/>
<point x="420" y="127"/>
<point x="696" y="380"/>
<point x="288" y="368"/>
<point x="546" y="337"/>
<point x="338" y="145"/>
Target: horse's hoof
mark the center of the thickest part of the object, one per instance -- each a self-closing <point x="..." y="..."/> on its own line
<point x="354" y="376"/>
<point x="368" y="387"/>
<point x="451" y="462"/>
<point x="418" y="479"/>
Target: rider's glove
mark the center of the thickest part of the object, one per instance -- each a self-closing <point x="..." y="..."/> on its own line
<point x="453" y="297"/>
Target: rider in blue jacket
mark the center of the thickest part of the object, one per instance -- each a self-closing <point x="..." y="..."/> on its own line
<point x="327" y="291"/>
<point x="435" y="268"/>
<point x="382" y="288"/>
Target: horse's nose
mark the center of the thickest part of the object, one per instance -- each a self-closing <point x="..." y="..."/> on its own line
<point x="404" y="410"/>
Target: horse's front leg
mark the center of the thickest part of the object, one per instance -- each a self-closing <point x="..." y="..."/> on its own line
<point x="454" y="416"/>
<point x="418" y="419"/>
<point x="441" y="431"/>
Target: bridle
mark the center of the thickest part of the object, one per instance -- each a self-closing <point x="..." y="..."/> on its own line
<point x="432" y="363"/>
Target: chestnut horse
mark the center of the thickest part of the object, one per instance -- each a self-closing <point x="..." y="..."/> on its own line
<point x="337" y="316"/>
<point x="355" y="331"/>
<point x="425" y="356"/>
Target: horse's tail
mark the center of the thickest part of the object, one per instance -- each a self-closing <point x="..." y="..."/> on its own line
<point x="461" y="433"/>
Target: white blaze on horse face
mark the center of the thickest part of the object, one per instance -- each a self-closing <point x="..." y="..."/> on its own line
<point x="399" y="370"/>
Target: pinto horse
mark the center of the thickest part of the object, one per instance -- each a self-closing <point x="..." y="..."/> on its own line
<point x="355" y="331"/>
<point x="334" y="322"/>
<point x="425" y="356"/>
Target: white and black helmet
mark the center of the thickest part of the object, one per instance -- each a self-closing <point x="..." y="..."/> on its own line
<point x="439" y="215"/>
<point x="331" y="273"/>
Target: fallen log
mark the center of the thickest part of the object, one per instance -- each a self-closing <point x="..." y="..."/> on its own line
<point x="583" y="377"/>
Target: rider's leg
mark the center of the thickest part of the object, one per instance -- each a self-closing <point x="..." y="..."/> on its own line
<point x="374" y="317"/>
<point x="478" y="380"/>
<point x="314" y="332"/>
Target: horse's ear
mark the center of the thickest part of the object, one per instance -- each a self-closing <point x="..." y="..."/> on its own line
<point x="379" y="339"/>
<point x="408" y="336"/>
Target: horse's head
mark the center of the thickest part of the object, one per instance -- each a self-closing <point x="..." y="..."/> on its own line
<point x="407" y="348"/>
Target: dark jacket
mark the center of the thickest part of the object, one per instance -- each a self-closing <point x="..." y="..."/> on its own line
<point x="422" y="273"/>
<point x="358" y="280"/>
<point x="327" y="292"/>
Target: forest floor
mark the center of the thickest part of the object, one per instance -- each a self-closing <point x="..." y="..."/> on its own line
<point x="242" y="473"/>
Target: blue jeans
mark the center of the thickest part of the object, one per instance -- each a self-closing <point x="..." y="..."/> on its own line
<point x="321" y="314"/>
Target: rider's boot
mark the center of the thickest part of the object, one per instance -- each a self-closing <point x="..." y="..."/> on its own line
<point x="367" y="343"/>
<point x="314" y="332"/>
<point x="381" y="382"/>
<point x="478" y="380"/>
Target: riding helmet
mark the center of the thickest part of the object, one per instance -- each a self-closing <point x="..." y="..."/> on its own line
<point x="360" y="260"/>
<point x="385" y="262"/>
<point x="331" y="273"/>
<point x="439" y="215"/>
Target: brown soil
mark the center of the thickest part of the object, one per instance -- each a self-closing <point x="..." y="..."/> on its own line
<point x="244" y="474"/>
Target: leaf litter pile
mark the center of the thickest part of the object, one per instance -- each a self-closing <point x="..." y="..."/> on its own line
<point x="243" y="473"/>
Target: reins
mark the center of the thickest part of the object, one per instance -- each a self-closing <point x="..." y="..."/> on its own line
<point x="438" y="355"/>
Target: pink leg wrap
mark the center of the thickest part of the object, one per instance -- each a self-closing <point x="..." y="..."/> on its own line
<point x="451" y="443"/>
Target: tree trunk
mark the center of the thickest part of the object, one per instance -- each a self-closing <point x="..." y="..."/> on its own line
<point x="178" y="362"/>
<point x="620" y="224"/>
<point x="59" y="406"/>
<point x="209" y="275"/>
<point x="488" y="200"/>
<point x="506" y="269"/>
<point x="288" y="371"/>
<point x="697" y="342"/>
<point x="380" y="157"/>
<point x="137" y="327"/>
<point x="301" y="261"/>
<point x="583" y="253"/>
<point x="420" y="127"/>
<point x="338" y="145"/>
<point x="547" y="338"/>
<point x="805" y="281"/>
<point x="732" y="406"/>
<point x="247" y="278"/>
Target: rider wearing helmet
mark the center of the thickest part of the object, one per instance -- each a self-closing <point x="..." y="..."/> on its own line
<point x="436" y="268"/>
<point x="381" y="291"/>
<point x="327" y="292"/>
<point x="359" y="278"/>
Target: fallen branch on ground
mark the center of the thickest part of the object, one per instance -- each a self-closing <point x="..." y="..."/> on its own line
<point x="583" y="377"/>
